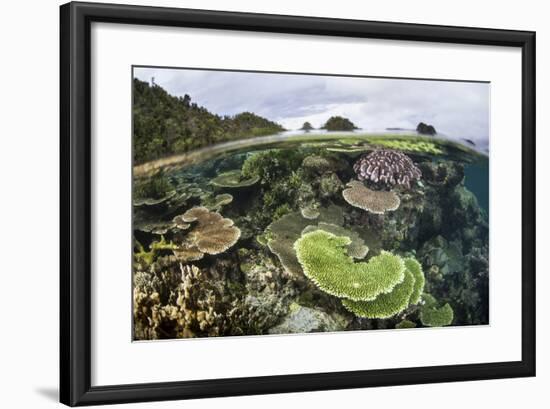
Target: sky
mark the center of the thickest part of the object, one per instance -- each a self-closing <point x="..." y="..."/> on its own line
<point x="456" y="109"/>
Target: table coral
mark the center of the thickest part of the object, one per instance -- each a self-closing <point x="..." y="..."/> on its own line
<point x="374" y="201"/>
<point x="433" y="316"/>
<point x="384" y="305"/>
<point x="211" y="233"/>
<point x="324" y="260"/>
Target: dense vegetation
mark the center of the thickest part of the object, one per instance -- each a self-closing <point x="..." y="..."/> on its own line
<point x="339" y="123"/>
<point x="166" y="124"/>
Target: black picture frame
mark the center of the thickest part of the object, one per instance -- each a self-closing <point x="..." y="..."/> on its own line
<point x="75" y="203"/>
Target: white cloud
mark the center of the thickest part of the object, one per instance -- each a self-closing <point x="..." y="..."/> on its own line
<point x="457" y="109"/>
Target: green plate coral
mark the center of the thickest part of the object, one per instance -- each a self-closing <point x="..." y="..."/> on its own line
<point x="414" y="145"/>
<point x="416" y="269"/>
<point x="385" y="305"/>
<point x="325" y="261"/>
<point x="433" y="316"/>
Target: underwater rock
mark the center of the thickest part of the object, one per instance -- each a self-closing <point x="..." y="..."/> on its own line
<point x="446" y="174"/>
<point x="212" y="234"/>
<point x="304" y="319"/>
<point x="374" y="201"/>
<point x="387" y="166"/>
<point x="425" y="129"/>
<point x="234" y="179"/>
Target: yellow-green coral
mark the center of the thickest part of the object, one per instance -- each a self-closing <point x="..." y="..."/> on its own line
<point x="148" y="257"/>
<point x="356" y="249"/>
<point x="385" y="305"/>
<point x="416" y="269"/>
<point x="433" y="316"/>
<point x="408" y="145"/>
<point x="325" y="261"/>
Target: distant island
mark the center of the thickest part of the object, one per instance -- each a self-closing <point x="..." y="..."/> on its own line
<point x="425" y="129"/>
<point x="307" y="127"/>
<point x="165" y="124"/>
<point x="339" y="123"/>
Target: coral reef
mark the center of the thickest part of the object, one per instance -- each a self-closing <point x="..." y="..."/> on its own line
<point x="180" y="301"/>
<point x="387" y="166"/>
<point x="272" y="241"/>
<point x="374" y="201"/>
<point x="323" y="258"/>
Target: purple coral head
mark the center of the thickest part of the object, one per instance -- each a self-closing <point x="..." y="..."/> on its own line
<point x="388" y="167"/>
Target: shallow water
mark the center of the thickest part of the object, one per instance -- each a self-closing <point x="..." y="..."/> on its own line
<point x="249" y="189"/>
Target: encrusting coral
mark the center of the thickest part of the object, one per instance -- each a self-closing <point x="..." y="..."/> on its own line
<point x="211" y="234"/>
<point x="323" y="258"/>
<point x="388" y="167"/>
<point x="405" y="324"/>
<point x="374" y="201"/>
<point x="433" y="316"/>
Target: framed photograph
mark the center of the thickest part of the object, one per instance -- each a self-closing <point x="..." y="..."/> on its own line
<point x="262" y="203"/>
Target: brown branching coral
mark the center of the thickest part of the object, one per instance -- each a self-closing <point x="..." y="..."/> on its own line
<point x="182" y="301"/>
<point x="211" y="234"/>
<point x="374" y="201"/>
<point x="387" y="166"/>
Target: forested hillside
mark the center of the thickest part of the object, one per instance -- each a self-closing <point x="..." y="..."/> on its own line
<point x="166" y="124"/>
